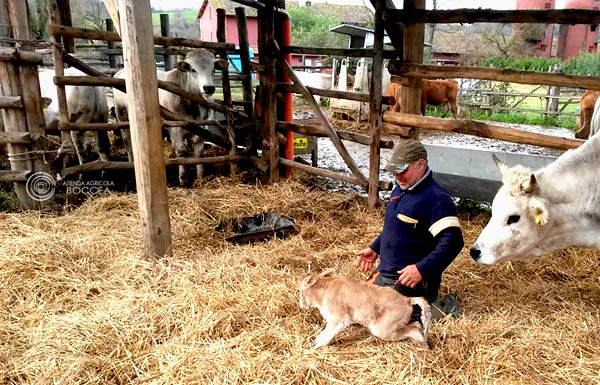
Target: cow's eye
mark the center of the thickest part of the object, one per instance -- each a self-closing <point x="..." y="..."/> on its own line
<point x="193" y="70"/>
<point x="513" y="219"/>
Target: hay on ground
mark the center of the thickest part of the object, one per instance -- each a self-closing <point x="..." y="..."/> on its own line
<point x="80" y="305"/>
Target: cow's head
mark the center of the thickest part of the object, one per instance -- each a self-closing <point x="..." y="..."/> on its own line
<point x="520" y="220"/>
<point x="199" y="66"/>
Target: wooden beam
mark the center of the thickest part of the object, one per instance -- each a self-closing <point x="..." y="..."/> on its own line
<point x="465" y="15"/>
<point x="11" y="176"/>
<point x="393" y="28"/>
<point x="11" y="102"/>
<point x="401" y="131"/>
<point x="330" y="131"/>
<point x="268" y="123"/>
<point x="328" y="174"/>
<point x="349" y="95"/>
<point x="400" y="71"/>
<point x="484" y="130"/>
<point x="375" y="106"/>
<point x="245" y="58"/>
<point x="146" y="126"/>
<point x="165" y="32"/>
<point x="83" y="33"/>
<point x="319" y="132"/>
<point x="414" y="38"/>
<point x="102" y="165"/>
<point x="15" y="137"/>
<point x="120" y="83"/>
<point x="348" y="52"/>
<point x="20" y="56"/>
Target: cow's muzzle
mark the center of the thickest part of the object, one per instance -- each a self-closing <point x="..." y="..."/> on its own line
<point x="209" y="90"/>
<point x="475" y="253"/>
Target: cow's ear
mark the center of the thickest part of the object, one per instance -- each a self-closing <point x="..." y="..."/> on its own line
<point x="183" y="66"/>
<point x="307" y="281"/>
<point x="540" y="212"/>
<point x="501" y="166"/>
<point x="220" y="64"/>
<point x="327" y="272"/>
<point x="528" y="186"/>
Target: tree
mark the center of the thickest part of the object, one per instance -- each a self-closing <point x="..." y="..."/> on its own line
<point x="310" y="29"/>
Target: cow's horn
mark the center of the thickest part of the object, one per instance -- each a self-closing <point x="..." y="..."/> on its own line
<point x="501" y="166"/>
<point x="529" y="185"/>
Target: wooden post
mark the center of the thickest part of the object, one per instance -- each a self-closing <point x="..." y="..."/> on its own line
<point x="164" y="31"/>
<point x="222" y="38"/>
<point x="67" y="147"/>
<point x="375" y="106"/>
<point x="145" y="123"/>
<point x="270" y="146"/>
<point x="245" y="59"/>
<point x="21" y="80"/>
<point x="414" y="38"/>
<point x="112" y="58"/>
<point x="65" y="19"/>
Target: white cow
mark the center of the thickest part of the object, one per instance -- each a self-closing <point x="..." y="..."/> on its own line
<point x="535" y="213"/>
<point x="194" y="74"/>
<point x="595" y="123"/>
<point x="86" y="104"/>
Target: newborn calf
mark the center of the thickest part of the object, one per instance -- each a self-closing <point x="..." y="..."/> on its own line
<point x="343" y="302"/>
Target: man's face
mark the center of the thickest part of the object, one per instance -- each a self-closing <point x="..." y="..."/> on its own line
<point x="412" y="174"/>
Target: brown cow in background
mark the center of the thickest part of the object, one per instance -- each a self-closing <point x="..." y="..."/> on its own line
<point x="586" y="108"/>
<point x="394" y="90"/>
<point x="436" y="92"/>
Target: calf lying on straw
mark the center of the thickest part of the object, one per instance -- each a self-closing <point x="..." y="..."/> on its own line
<point x="343" y="302"/>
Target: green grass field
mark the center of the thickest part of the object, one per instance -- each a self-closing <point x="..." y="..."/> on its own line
<point x="189" y="16"/>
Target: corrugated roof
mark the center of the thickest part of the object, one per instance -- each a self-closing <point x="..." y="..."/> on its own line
<point x="348" y="14"/>
<point x="229" y="7"/>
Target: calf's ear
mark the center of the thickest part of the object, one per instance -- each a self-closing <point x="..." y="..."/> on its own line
<point x="183" y="66"/>
<point x="307" y="281"/>
<point x="327" y="272"/>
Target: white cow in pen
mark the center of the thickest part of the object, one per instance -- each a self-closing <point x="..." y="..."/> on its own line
<point x="193" y="74"/>
<point x="86" y="104"/>
<point x="535" y="213"/>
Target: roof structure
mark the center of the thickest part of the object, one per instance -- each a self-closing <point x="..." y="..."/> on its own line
<point x="229" y="7"/>
<point x="348" y="14"/>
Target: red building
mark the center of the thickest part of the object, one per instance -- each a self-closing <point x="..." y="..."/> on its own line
<point x="208" y="28"/>
<point x="574" y="39"/>
<point x="540" y="40"/>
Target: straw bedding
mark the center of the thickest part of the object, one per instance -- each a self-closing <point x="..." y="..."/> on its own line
<point x="80" y="305"/>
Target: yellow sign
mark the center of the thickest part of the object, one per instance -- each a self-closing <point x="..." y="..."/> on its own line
<point x="300" y="143"/>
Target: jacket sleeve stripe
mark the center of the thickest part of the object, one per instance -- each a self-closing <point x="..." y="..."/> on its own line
<point x="443" y="224"/>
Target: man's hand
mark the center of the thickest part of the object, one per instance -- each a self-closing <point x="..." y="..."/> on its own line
<point x="409" y="276"/>
<point x="366" y="259"/>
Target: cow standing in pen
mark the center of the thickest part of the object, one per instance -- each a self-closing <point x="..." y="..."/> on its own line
<point x="86" y="104"/>
<point x="194" y="74"/>
<point x="535" y="213"/>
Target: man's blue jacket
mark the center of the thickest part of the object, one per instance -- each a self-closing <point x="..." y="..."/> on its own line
<point x="420" y="227"/>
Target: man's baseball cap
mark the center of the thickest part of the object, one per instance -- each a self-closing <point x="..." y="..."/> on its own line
<point x="405" y="153"/>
